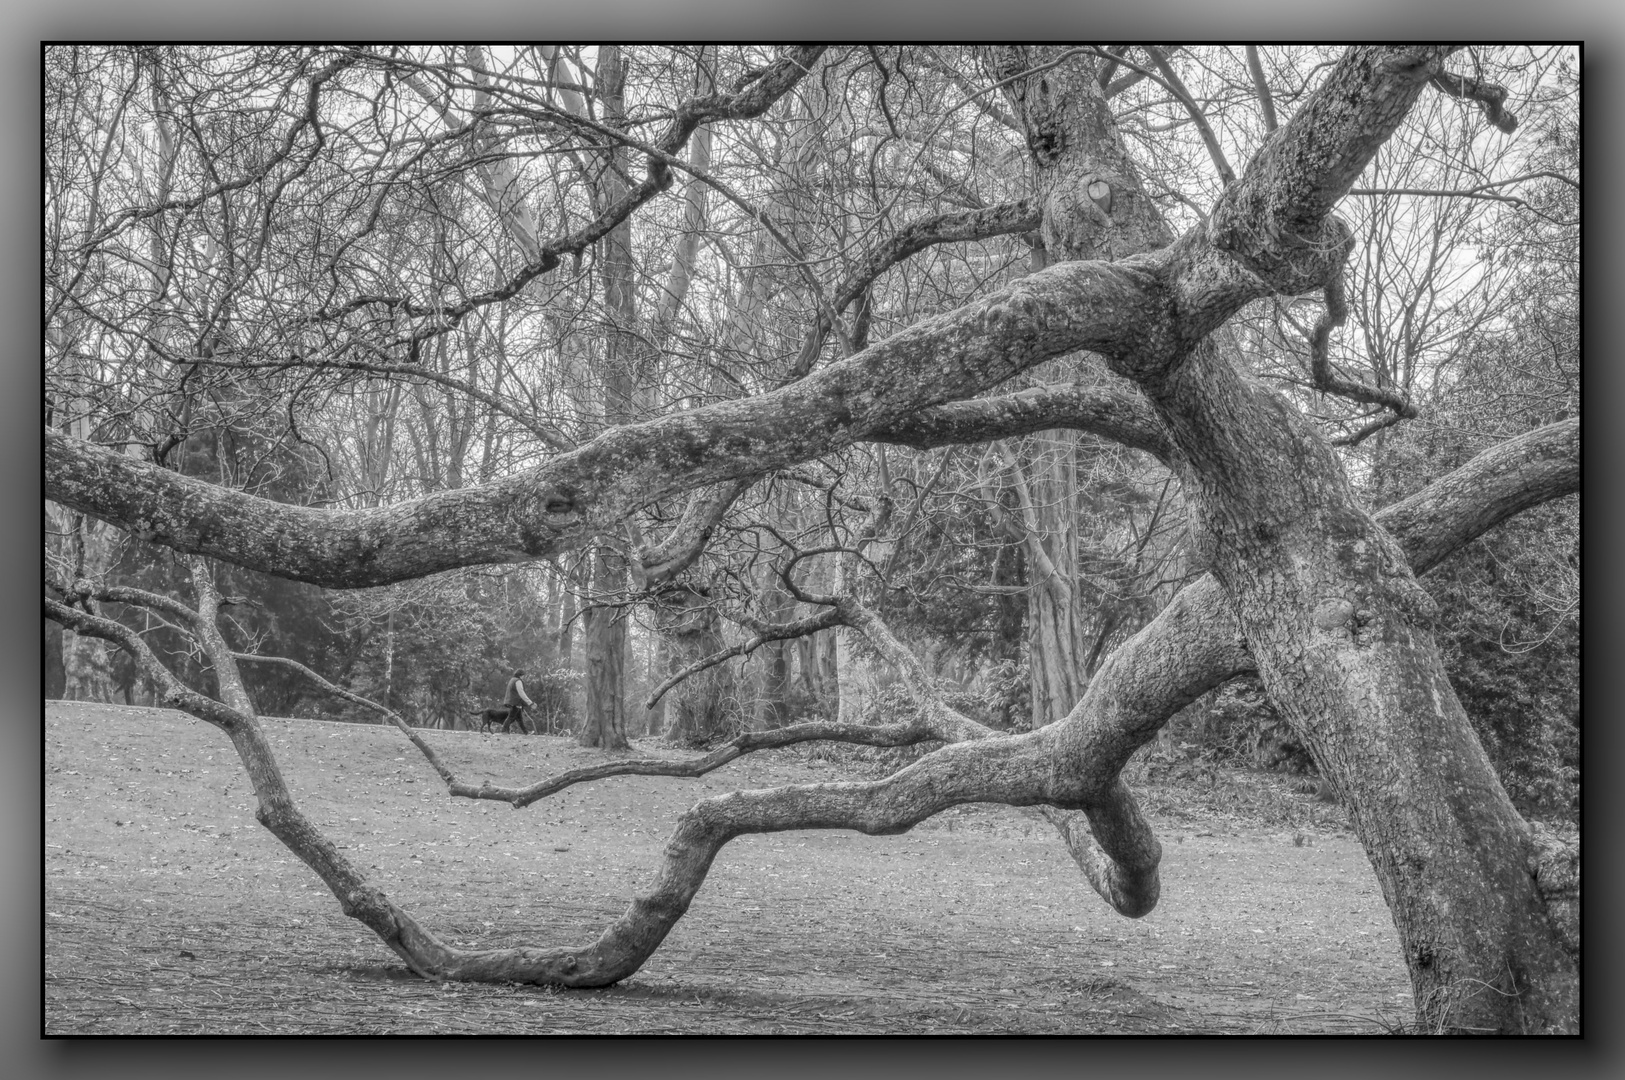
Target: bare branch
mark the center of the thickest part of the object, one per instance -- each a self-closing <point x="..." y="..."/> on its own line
<point x="1020" y="216"/>
<point x="1336" y="314"/>
<point x="367" y="703"/>
<point x="1490" y="97"/>
<point x="1266" y="101"/>
<point x="547" y="433"/>
<point x="748" y="742"/>
<point x="1172" y="80"/>
<point x="1123" y="416"/>
<point x="754" y="99"/>
<point x="764" y="634"/>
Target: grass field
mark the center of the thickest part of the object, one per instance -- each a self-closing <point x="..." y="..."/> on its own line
<point x="169" y="910"/>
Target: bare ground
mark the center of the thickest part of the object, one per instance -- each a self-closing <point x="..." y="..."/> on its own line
<point x="169" y="910"/>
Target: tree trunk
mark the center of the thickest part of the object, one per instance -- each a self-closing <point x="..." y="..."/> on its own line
<point x="1334" y="618"/>
<point x="604" y="639"/>
<point x="56" y="675"/>
<point x="659" y="663"/>
<point x="87" y="675"/>
<point x="1057" y="641"/>
<point x="1342" y="636"/>
<point x="567" y="612"/>
<point x="773" y="706"/>
<point x="604" y="642"/>
<point x="773" y="701"/>
<point x="828" y="664"/>
<point x="704" y="707"/>
<point x="807" y="665"/>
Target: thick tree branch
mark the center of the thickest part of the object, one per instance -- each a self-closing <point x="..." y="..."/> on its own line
<point x="1123" y="416"/>
<point x="1499" y="483"/>
<point x="555" y="506"/>
<point x="1275" y="220"/>
<point x="682" y="546"/>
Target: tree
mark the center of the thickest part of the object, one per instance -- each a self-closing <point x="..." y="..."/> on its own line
<point x="1304" y="586"/>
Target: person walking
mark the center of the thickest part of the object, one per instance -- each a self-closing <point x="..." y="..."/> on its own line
<point x="517" y="701"/>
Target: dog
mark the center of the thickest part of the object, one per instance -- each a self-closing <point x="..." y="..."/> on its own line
<point x="499" y="714"/>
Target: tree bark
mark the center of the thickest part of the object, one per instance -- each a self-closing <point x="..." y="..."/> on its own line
<point x="603" y="643"/>
<point x="708" y="707"/>
<point x="1327" y="605"/>
<point x="1342" y="636"/>
<point x="1341" y="632"/>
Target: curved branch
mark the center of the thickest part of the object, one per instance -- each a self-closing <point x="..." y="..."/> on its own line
<point x="682" y="546"/>
<point x="1500" y="482"/>
<point x="824" y="620"/>
<point x="125" y="594"/>
<point x="1123" y="416"/>
<point x="774" y="82"/>
<point x="554" y="506"/>
<point x="1489" y="96"/>
<point x="1320" y="366"/>
<point x="1023" y="215"/>
<point x="277" y="810"/>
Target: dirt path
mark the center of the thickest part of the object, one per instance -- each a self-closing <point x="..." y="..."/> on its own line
<point x="169" y="910"/>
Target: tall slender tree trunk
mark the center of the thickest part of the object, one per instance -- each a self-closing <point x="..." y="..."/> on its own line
<point x="1046" y="522"/>
<point x="604" y="639"/>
